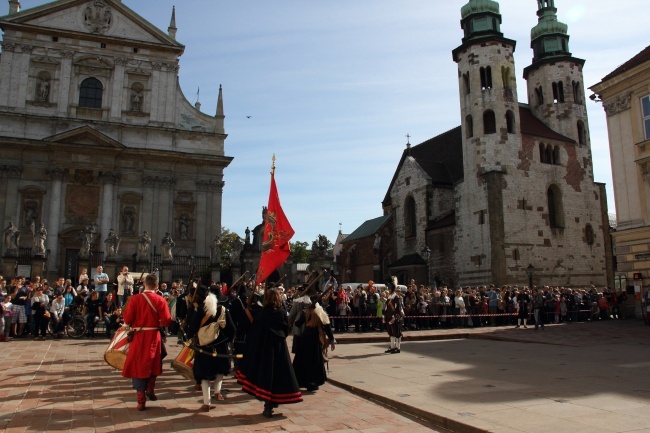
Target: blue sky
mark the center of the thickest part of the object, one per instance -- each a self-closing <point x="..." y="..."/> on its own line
<point x="333" y="87"/>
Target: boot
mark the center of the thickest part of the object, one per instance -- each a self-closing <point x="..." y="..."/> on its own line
<point x="142" y="400"/>
<point x="151" y="385"/>
<point x="3" y="338"/>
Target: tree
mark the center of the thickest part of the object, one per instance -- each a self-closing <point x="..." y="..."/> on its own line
<point x="299" y="252"/>
<point x="228" y="239"/>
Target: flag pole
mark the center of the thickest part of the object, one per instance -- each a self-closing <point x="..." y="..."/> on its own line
<point x="273" y="165"/>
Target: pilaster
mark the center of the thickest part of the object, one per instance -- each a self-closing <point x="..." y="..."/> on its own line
<point x="56" y="176"/>
<point x="64" y="82"/>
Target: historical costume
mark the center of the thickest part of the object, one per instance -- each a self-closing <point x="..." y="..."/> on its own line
<point x="266" y="372"/>
<point x="144" y="313"/>
<point x="207" y="367"/>
<point x="394" y="316"/>
<point x="242" y="322"/>
<point x="309" y="362"/>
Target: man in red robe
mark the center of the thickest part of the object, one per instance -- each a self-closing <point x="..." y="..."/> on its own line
<point x="145" y="312"/>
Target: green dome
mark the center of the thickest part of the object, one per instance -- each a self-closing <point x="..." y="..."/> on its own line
<point x="479" y="6"/>
<point x="548" y="25"/>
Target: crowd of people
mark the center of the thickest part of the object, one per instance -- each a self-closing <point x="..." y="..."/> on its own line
<point x="30" y="308"/>
<point x="360" y="307"/>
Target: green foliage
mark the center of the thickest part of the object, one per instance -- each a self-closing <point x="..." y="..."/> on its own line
<point x="299" y="252"/>
<point x="228" y="239"/>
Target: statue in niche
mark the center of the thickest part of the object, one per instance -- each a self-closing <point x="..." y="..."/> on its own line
<point x="44" y="89"/>
<point x="215" y="250"/>
<point x="12" y="240"/>
<point x="166" y="247"/>
<point x="112" y="244"/>
<point x="128" y="220"/>
<point x="31" y="212"/>
<point x="39" y="235"/>
<point x="144" y="244"/>
<point x="183" y="227"/>
<point x="136" y="101"/>
<point x="87" y="240"/>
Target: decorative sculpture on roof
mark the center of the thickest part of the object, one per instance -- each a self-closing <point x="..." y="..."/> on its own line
<point x="98" y="17"/>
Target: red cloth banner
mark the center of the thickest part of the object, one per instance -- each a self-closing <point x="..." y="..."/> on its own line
<point x="277" y="234"/>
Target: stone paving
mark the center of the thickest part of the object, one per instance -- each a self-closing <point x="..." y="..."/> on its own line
<point x="590" y="377"/>
<point x="64" y="385"/>
<point x="585" y="377"/>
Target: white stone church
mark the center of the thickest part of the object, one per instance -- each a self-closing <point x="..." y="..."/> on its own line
<point x="96" y="135"/>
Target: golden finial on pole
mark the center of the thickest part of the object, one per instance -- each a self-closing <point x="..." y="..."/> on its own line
<point x="273" y="166"/>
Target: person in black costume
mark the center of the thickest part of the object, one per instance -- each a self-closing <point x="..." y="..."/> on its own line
<point x="309" y="362"/>
<point x="206" y="366"/>
<point x="242" y="323"/>
<point x="266" y="372"/>
<point x="394" y="316"/>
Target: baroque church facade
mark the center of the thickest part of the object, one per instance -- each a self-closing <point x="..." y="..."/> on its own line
<point x="98" y="141"/>
<point x="509" y="195"/>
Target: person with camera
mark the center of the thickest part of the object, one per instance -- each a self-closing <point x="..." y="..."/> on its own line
<point x="124" y="286"/>
<point x="41" y="313"/>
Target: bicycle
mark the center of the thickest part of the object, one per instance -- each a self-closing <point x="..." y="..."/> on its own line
<point x="76" y="325"/>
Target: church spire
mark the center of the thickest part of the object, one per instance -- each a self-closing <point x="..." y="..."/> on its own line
<point x="549" y="38"/>
<point x="14" y="6"/>
<point x="220" y="116"/>
<point x="171" y="30"/>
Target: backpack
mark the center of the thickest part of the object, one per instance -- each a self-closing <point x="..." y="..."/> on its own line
<point x="207" y="334"/>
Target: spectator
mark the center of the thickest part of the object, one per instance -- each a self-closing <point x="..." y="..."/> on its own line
<point x="101" y="283"/>
<point x="19" y="316"/>
<point x="93" y="313"/>
<point x="57" y="313"/>
<point x="108" y="306"/>
<point x="5" y="318"/>
<point x="40" y="312"/>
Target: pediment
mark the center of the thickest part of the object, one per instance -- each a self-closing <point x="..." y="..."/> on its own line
<point x="108" y="18"/>
<point x="85" y="136"/>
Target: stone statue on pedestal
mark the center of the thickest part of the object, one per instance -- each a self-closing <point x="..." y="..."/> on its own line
<point x="40" y="235"/>
<point x="12" y="239"/>
<point x="112" y="244"/>
<point x="144" y="245"/>
<point x="166" y="248"/>
<point x="215" y="251"/>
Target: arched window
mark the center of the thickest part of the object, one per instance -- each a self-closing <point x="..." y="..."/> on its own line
<point x="555" y="207"/>
<point x="589" y="234"/>
<point x="510" y="122"/>
<point x="549" y="154"/>
<point x="466" y="87"/>
<point x="469" y="126"/>
<point x="582" y="133"/>
<point x="556" y="155"/>
<point x="489" y="122"/>
<point x="542" y="153"/>
<point x="486" y="77"/>
<point x="410" y="221"/>
<point x="90" y="93"/>
<point x="539" y="92"/>
<point x="577" y="92"/>
<point x="558" y="92"/>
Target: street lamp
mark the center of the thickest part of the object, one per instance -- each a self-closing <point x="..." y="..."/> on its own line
<point x="530" y="270"/>
<point x="426" y="254"/>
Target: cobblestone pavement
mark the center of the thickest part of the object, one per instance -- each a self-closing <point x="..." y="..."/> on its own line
<point x="64" y="385"/>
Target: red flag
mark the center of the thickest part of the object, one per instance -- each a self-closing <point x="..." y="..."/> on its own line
<point x="277" y="233"/>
